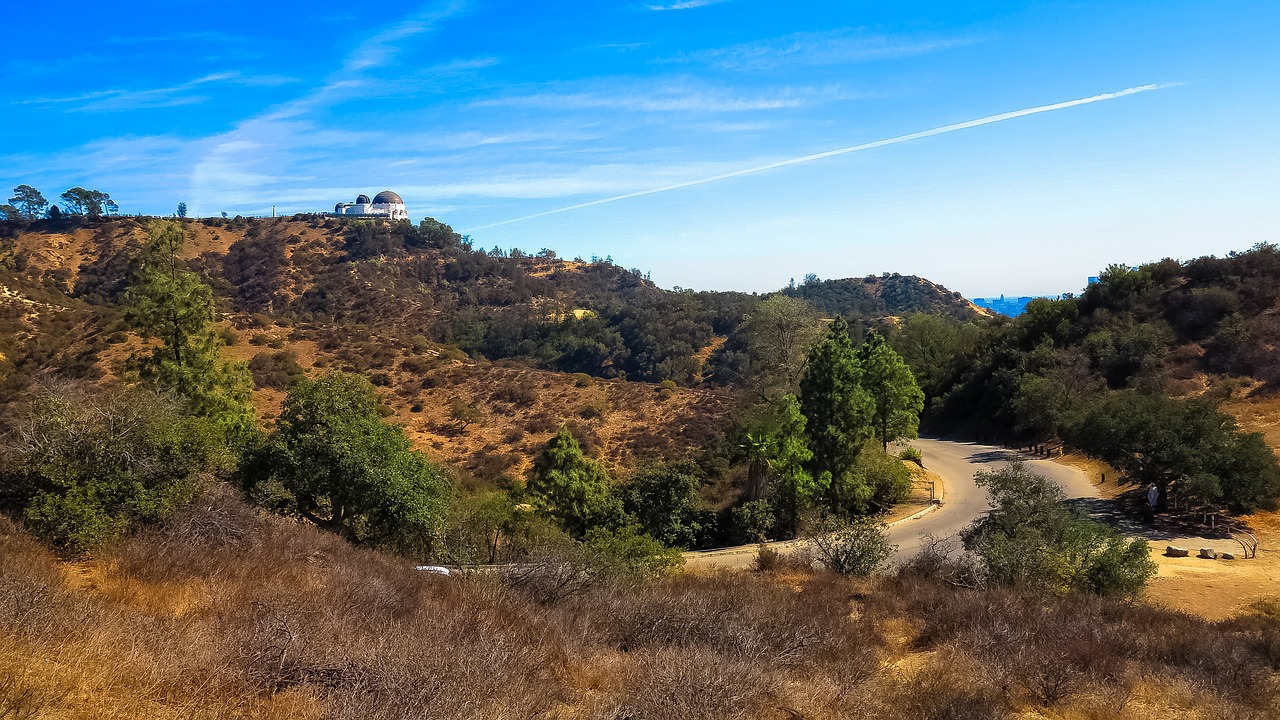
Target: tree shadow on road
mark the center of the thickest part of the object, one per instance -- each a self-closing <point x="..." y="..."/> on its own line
<point x="1113" y="513"/>
<point x="994" y="456"/>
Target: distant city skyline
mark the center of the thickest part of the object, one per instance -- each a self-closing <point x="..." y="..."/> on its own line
<point x="763" y="124"/>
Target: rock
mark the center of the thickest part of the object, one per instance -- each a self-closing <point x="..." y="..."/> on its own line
<point x="1175" y="551"/>
<point x="1208" y="553"/>
<point x="1226" y="556"/>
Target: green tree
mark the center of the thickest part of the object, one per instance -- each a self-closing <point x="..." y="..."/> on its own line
<point x="571" y="488"/>
<point x="90" y="465"/>
<point x="778" y="334"/>
<point x="90" y="203"/>
<point x="838" y="413"/>
<point x="664" y="501"/>
<point x="9" y="212"/>
<point x="779" y="456"/>
<point x="28" y="201"/>
<point x="1156" y="439"/>
<point x="935" y="348"/>
<point x="173" y="305"/>
<point x="893" y="390"/>
<point x="182" y="209"/>
<point x="334" y="461"/>
<point x="1032" y="539"/>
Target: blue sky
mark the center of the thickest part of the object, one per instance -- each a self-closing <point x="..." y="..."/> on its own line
<point x="482" y="111"/>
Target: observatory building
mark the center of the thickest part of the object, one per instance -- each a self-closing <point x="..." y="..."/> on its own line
<point x="385" y="204"/>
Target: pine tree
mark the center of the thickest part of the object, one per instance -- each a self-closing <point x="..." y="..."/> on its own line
<point x="838" y="413"/>
<point x="781" y="454"/>
<point x="892" y="387"/>
<point x="174" y="306"/>
<point x="571" y="488"/>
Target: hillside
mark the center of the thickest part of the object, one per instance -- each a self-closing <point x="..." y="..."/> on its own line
<point x="884" y="295"/>
<point x="528" y="340"/>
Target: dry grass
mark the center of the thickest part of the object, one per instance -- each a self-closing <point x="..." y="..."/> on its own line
<point x="226" y="614"/>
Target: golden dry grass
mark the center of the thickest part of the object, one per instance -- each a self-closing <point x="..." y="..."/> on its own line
<point x="224" y="614"/>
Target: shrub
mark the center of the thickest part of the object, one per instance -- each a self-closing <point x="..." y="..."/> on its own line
<point x="463" y="413"/>
<point x="91" y="465"/>
<point x="856" y="547"/>
<point x="1031" y="538"/>
<point x="911" y="454"/>
<point x="630" y="552"/>
<point x="276" y="370"/>
<point x="754" y="520"/>
<point x="516" y="394"/>
<point x="335" y="462"/>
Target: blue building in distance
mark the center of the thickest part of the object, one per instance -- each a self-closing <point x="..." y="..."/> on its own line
<point x="1011" y="306"/>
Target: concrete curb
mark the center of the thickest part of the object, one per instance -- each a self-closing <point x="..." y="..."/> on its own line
<point x="916" y="515"/>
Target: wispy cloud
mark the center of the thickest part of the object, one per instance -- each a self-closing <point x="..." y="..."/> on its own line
<point x="121" y="99"/>
<point x="834" y="47"/>
<point x="633" y="95"/>
<point x="988" y="120"/>
<point x="684" y="5"/>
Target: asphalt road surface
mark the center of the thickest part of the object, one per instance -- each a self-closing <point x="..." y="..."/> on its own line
<point x="956" y="463"/>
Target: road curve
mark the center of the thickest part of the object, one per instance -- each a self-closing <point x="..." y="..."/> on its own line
<point x="956" y="462"/>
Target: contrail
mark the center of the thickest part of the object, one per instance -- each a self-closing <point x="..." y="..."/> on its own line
<point x="842" y="151"/>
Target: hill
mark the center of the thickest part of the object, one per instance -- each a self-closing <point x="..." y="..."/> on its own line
<point x="885" y="295"/>
<point x="528" y="340"/>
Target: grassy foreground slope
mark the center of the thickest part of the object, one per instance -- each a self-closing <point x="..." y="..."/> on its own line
<point x="222" y="613"/>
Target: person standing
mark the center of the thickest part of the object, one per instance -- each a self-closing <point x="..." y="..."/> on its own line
<point x="1153" y="498"/>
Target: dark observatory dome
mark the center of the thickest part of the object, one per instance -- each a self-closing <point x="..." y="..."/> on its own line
<point x="363" y="200"/>
<point x="386" y="197"/>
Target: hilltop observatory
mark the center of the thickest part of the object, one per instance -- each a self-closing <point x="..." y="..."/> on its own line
<point x="385" y="204"/>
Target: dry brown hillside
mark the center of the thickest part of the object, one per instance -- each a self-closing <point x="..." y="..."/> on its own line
<point x="297" y="296"/>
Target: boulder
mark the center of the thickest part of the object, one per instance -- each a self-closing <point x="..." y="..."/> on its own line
<point x="1175" y="551"/>
<point x="1226" y="556"/>
<point x="1208" y="553"/>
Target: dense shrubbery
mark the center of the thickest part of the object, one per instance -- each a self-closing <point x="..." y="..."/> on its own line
<point x="1099" y="371"/>
<point x="1031" y="539"/>
<point x="269" y="632"/>
<point x="84" y="467"/>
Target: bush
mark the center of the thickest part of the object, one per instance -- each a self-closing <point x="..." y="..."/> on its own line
<point x="90" y="465"/>
<point x="857" y="547"/>
<point x="911" y="454"/>
<point x="885" y="475"/>
<point x="1032" y="539"/>
<point x="276" y="370"/>
<point x="754" y="521"/>
<point x="629" y="552"/>
<point x="516" y="394"/>
<point x="335" y="462"/>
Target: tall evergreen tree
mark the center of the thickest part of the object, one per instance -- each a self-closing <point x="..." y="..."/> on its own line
<point x="174" y="306"/>
<point x="898" y="399"/>
<point x="571" y="488"/>
<point x="782" y="454"/>
<point x="838" y="413"/>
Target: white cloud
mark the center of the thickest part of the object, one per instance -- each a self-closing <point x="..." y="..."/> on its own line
<point x="833" y="47"/>
<point x="684" y="5"/>
<point x="120" y="99"/>
<point x="637" y="95"/>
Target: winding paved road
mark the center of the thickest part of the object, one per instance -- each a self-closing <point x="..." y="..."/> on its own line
<point x="956" y="463"/>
